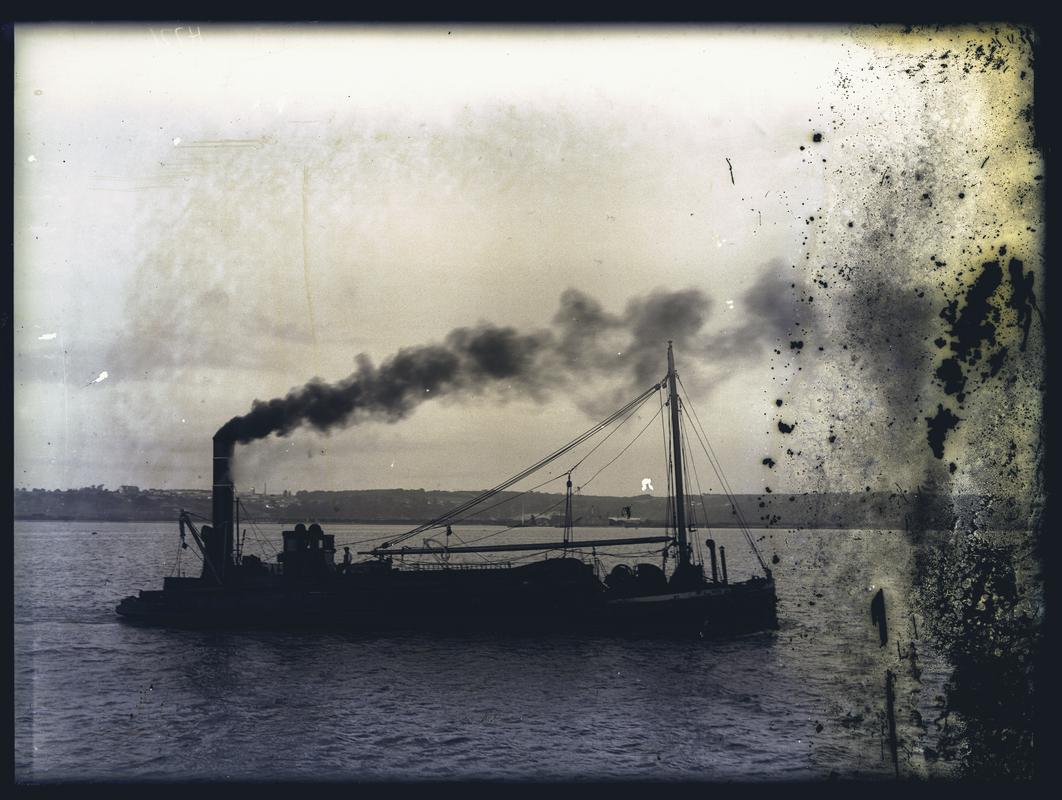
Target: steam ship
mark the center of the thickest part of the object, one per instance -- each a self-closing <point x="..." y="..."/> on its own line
<point x="393" y="588"/>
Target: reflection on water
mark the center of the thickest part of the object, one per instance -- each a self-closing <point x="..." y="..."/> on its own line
<point x="96" y="698"/>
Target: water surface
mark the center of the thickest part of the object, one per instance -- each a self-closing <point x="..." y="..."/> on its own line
<point x="98" y="699"/>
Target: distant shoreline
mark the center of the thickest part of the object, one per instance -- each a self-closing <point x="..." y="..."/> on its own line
<point x="771" y="509"/>
<point x="418" y="521"/>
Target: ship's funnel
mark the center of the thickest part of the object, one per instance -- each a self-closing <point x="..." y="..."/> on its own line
<point x="220" y="546"/>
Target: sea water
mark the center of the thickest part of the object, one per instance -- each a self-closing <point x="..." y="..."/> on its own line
<point x="99" y="699"/>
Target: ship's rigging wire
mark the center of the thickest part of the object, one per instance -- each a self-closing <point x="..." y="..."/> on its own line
<point x="660" y="413"/>
<point x="575" y="551"/>
<point x="475" y="501"/>
<point x="589" y="453"/>
<point x="549" y="480"/>
<point x="582" y="486"/>
<point x="259" y="536"/>
<point x="176" y="568"/>
<point x="709" y="451"/>
<point x="453" y="522"/>
<point x="197" y="554"/>
<point x="508" y="499"/>
<point x="713" y="460"/>
<point x="464" y="544"/>
<point x="742" y="523"/>
<point x="690" y="508"/>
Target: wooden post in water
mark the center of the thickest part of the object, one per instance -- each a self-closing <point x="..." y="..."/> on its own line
<point x="890" y="717"/>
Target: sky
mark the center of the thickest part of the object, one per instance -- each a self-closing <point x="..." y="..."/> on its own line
<point x="213" y="215"/>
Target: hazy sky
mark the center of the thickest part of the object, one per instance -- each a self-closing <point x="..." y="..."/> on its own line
<point x="215" y="218"/>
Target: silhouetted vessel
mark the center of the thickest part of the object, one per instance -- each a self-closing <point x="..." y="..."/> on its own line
<point x="305" y="588"/>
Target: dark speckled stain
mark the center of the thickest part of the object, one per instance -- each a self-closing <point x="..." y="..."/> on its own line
<point x="1022" y="298"/>
<point x="953" y="378"/>
<point x="972" y="332"/>
<point x="784" y="428"/>
<point x="978" y="608"/>
<point x="939" y="425"/>
<point x="969" y="591"/>
<point x="971" y="327"/>
<point x="995" y="361"/>
<point x="975" y="608"/>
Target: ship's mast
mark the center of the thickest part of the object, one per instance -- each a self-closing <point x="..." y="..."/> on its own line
<point x="676" y="444"/>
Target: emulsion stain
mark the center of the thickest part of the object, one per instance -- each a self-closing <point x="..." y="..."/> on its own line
<point x="1022" y="297"/>
<point x="974" y="606"/>
<point x="786" y="428"/>
<point x="768" y="462"/>
<point x="995" y="361"/>
<point x="971" y="328"/>
<point x="972" y="331"/>
<point x="953" y="378"/>
<point x="939" y="426"/>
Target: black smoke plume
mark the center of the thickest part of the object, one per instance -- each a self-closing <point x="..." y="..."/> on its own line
<point x="586" y="340"/>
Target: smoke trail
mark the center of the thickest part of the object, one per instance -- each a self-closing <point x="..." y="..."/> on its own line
<point x="585" y="340"/>
<point x="468" y="359"/>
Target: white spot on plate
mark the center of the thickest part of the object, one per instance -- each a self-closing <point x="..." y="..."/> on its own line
<point x="100" y="378"/>
<point x="47" y="337"/>
<point x="729" y="304"/>
<point x="32" y="159"/>
<point x="176" y="141"/>
<point x="647" y="484"/>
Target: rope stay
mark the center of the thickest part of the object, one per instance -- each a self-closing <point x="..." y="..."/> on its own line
<point x="716" y="465"/>
<point x="621" y="452"/>
<point x="451" y="515"/>
<point x="563" y="499"/>
<point x="259" y="536"/>
<point x="691" y="511"/>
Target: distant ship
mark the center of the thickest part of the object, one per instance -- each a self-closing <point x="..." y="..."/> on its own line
<point x="391" y="589"/>
<point x="626" y="522"/>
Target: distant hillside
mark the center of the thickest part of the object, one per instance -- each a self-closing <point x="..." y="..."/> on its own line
<point x="832" y="510"/>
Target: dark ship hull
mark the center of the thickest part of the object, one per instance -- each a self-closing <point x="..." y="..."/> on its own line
<point x="528" y="599"/>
